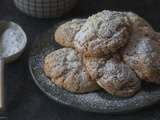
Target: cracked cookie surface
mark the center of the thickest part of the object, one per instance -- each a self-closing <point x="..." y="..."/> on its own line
<point x="65" y="68"/>
<point x="103" y="33"/>
<point x="66" y="32"/>
<point x="143" y="56"/>
<point x="142" y="53"/>
<point x="113" y="76"/>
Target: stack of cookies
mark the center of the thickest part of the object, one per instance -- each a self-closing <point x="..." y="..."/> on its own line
<point x="110" y="50"/>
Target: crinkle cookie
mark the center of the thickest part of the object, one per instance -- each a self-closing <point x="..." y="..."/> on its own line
<point x="142" y="53"/>
<point x="143" y="56"/>
<point x="114" y="76"/>
<point x="140" y="25"/>
<point x="103" y="33"/>
<point x="65" y="68"/>
<point x="66" y="32"/>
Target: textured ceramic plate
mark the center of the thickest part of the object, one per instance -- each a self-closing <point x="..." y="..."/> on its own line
<point x="98" y="101"/>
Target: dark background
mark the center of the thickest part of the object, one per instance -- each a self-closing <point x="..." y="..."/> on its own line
<point x="24" y="99"/>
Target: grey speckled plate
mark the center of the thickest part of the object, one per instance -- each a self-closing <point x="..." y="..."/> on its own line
<point x="98" y="101"/>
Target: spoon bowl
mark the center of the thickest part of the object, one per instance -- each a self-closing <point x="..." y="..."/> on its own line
<point x="10" y="31"/>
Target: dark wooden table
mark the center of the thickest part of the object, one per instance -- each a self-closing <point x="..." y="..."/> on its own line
<point x="24" y="99"/>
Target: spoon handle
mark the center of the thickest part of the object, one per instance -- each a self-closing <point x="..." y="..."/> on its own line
<point x="1" y="83"/>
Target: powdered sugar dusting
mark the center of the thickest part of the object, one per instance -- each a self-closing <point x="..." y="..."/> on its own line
<point x="97" y="101"/>
<point x="12" y="40"/>
<point x="103" y="33"/>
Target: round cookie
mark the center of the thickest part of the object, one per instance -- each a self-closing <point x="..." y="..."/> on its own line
<point x="143" y="56"/>
<point x="141" y="26"/>
<point x="103" y="33"/>
<point x="142" y="53"/>
<point x="65" y="68"/>
<point x="113" y="76"/>
<point x="66" y="32"/>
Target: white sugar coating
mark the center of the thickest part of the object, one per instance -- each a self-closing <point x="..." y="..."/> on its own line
<point x="11" y="41"/>
<point x="65" y="68"/>
<point x="103" y="33"/>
